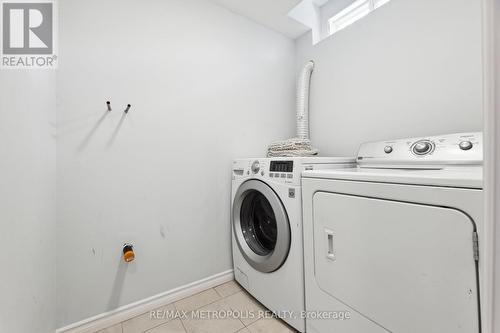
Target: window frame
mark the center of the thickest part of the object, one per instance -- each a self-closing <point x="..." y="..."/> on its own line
<point x="352" y="13"/>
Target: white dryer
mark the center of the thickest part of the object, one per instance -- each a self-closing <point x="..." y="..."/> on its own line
<point x="394" y="244"/>
<point x="267" y="230"/>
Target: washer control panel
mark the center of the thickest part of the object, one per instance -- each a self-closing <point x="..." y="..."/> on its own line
<point x="280" y="170"/>
<point x="435" y="151"/>
<point x="285" y="170"/>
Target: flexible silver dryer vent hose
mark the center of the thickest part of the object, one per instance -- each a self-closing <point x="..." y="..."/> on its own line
<point x="303" y="85"/>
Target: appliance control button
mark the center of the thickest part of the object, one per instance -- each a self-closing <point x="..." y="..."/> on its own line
<point x="388" y="149"/>
<point x="283" y="175"/>
<point x="289" y="176"/>
<point x="262" y="173"/>
<point x="465" y="145"/>
<point x="422" y="147"/>
<point x="271" y="175"/>
<point x="255" y="167"/>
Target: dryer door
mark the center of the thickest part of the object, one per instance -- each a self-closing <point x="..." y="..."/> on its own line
<point x="261" y="226"/>
<point x="407" y="267"/>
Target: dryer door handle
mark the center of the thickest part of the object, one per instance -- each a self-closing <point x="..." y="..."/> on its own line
<point x="330" y="253"/>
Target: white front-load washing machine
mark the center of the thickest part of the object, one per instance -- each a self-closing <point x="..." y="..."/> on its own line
<point x="267" y="230"/>
<point x="394" y="245"/>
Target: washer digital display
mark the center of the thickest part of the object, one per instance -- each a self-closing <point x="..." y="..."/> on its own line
<point x="281" y="166"/>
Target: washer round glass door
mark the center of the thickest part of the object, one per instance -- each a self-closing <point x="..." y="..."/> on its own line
<point x="261" y="226"/>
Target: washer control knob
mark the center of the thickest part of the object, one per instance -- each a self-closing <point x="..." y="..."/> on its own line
<point x="255" y="167"/>
<point x="465" y="145"/>
<point x="388" y="149"/>
<point x="422" y="147"/>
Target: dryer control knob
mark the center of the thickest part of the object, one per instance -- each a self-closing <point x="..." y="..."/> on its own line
<point x="388" y="149"/>
<point x="465" y="145"/>
<point x="422" y="147"/>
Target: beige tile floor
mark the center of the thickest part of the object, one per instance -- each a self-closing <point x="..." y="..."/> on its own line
<point x="226" y="297"/>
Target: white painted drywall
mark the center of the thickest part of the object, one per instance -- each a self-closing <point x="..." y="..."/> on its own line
<point x="411" y="68"/>
<point x="27" y="201"/>
<point x="206" y="86"/>
<point x="272" y="14"/>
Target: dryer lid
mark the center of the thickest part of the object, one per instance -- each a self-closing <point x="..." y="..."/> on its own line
<point x="462" y="177"/>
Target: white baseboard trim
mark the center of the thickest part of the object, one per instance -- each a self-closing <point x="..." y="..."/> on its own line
<point x="129" y="311"/>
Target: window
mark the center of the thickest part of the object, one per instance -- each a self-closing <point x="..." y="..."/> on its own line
<point x="379" y="3"/>
<point x="355" y="11"/>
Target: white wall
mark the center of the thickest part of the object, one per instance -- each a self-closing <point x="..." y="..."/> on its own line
<point x="205" y="85"/>
<point x="27" y="201"/>
<point x="411" y="68"/>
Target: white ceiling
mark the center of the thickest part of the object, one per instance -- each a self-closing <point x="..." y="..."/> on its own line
<point x="270" y="13"/>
